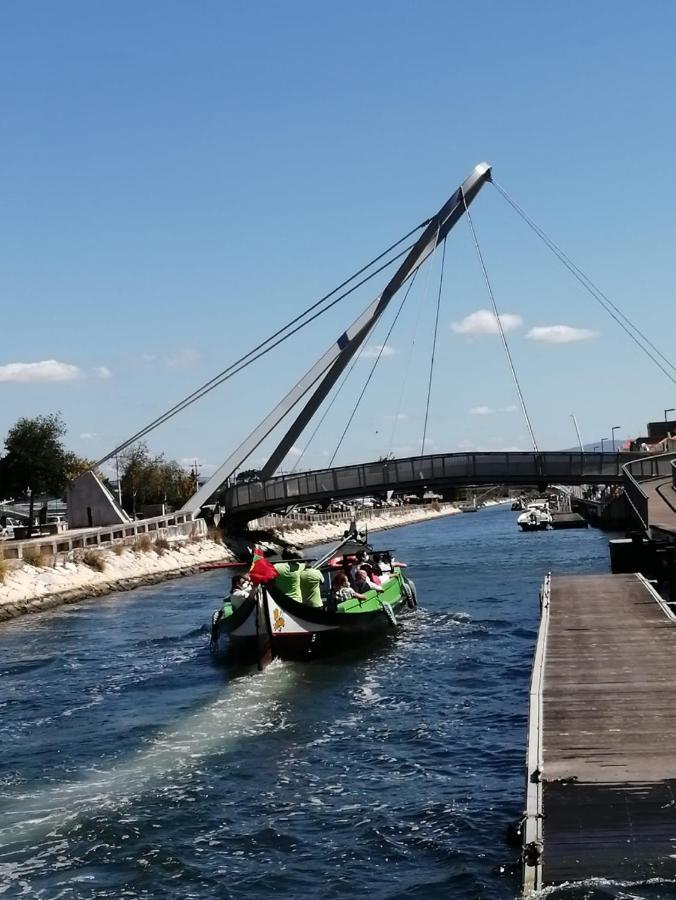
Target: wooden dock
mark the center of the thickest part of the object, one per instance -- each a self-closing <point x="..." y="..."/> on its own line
<point x="568" y="520"/>
<point x="601" y="765"/>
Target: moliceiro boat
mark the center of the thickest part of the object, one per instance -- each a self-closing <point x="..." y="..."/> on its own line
<point x="271" y="624"/>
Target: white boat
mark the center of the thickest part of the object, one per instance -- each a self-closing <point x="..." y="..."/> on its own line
<point x="536" y="517"/>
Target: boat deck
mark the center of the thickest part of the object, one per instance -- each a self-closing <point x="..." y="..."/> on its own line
<point x="601" y="766"/>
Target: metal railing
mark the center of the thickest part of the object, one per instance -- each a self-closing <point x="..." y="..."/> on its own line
<point x="645" y="468"/>
<point x="414" y="472"/>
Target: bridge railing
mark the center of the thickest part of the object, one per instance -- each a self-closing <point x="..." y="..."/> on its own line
<point x="411" y="472"/>
<point x="646" y="468"/>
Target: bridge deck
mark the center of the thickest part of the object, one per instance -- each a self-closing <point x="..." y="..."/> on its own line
<point x="608" y="731"/>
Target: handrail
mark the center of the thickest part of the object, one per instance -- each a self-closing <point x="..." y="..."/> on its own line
<point x="646" y="468"/>
<point x="416" y="471"/>
<point x="532" y="831"/>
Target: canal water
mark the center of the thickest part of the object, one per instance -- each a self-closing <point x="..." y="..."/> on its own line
<point x="132" y="766"/>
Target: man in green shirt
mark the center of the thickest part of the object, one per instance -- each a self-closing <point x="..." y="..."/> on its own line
<point x="310" y="587"/>
<point x="288" y="574"/>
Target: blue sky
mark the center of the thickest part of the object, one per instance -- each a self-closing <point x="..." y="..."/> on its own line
<point x="178" y="180"/>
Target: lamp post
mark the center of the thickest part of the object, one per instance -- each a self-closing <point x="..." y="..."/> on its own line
<point x="596" y="447"/>
<point x="603" y="440"/>
<point x="612" y="432"/>
<point x="666" y="413"/>
<point x="577" y="432"/>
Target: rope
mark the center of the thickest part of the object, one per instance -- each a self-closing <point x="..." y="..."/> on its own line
<point x="604" y="301"/>
<point x="373" y="368"/>
<point x="258" y="352"/>
<point x="501" y="329"/>
<point x="434" y="347"/>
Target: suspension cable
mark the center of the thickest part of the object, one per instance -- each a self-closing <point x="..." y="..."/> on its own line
<point x="501" y="329"/>
<point x="602" y="299"/>
<point x="434" y="348"/>
<point x="373" y="368"/>
<point x="261" y="350"/>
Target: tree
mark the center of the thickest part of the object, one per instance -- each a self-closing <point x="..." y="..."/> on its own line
<point x="35" y="462"/>
<point x="152" y="479"/>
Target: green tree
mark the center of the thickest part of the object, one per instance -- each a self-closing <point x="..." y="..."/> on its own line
<point x="35" y="460"/>
<point x="152" y="479"/>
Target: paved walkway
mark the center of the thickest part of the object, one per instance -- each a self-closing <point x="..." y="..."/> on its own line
<point x="661" y="503"/>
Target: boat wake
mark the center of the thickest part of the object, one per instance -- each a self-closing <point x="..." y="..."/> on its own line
<point x="252" y="706"/>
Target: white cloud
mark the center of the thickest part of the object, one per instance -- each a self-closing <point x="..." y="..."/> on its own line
<point x="183" y="358"/>
<point x="483" y="321"/>
<point x="149" y="357"/>
<point x="560" y="334"/>
<point x="46" y="370"/>
<point x="375" y="349"/>
<point x="102" y="372"/>
<point x="295" y="451"/>
<point x="489" y="410"/>
<point x="390" y="417"/>
<point x="88" y="436"/>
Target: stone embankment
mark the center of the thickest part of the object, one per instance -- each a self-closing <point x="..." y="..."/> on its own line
<point x="306" y="533"/>
<point x="80" y="575"/>
<point x="35" y="588"/>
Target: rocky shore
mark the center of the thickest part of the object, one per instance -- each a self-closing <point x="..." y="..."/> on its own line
<point x="303" y="534"/>
<point x="36" y="588"/>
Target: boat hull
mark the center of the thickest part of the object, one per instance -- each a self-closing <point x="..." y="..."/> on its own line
<point x="271" y="624"/>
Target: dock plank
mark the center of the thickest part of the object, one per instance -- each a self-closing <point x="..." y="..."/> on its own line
<point x="608" y="732"/>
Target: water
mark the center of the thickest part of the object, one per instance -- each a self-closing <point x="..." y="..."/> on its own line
<point x="132" y="766"/>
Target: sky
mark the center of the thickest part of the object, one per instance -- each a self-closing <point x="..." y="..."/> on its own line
<point x="179" y="180"/>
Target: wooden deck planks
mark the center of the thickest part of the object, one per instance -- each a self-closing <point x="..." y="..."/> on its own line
<point x="609" y="732"/>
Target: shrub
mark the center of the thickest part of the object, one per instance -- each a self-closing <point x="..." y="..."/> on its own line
<point x="161" y="545"/>
<point x="435" y="505"/>
<point x="4" y="569"/>
<point x="118" y="549"/>
<point x="142" y="544"/>
<point x="94" y="560"/>
<point x="32" y="556"/>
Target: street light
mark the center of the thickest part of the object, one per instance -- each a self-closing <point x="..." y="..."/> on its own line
<point x="666" y="413"/>
<point x="596" y="447"/>
<point x="603" y="440"/>
<point x="612" y="431"/>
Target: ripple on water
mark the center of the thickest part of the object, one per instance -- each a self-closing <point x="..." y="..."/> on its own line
<point x="133" y="767"/>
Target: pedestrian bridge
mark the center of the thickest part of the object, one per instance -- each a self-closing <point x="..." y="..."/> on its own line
<point x="417" y="473"/>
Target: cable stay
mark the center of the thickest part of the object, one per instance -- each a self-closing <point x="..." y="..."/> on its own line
<point x="373" y="368"/>
<point x="602" y="299"/>
<point x="434" y="348"/>
<point x="336" y="394"/>
<point x="271" y="342"/>
<point x="502" y="332"/>
<point x="315" y="386"/>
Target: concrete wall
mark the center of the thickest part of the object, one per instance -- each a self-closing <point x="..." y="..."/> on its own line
<point x="91" y="505"/>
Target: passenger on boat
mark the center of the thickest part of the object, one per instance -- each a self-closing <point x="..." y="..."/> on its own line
<point x="372" y="574"/>
<point x="363" y="583"/>
<point x="240" y="590"/>
<point x="288" y="574"/>
<point x="310" y="582"/>
<point x="380" y="564"/>
<point x="341" y="591"/>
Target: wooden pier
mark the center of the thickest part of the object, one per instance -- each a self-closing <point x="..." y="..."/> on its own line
<point x="568" y="520"/>
<point x="601" y="764"/>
